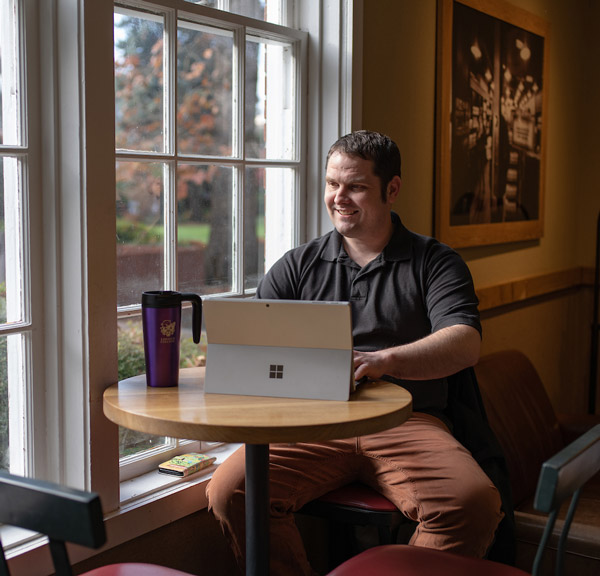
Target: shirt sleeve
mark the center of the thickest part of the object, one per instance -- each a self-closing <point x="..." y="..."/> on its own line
<point x="450" y="295"/>
<point x="279" y="281"/>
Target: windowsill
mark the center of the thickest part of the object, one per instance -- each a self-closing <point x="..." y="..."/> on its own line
<point x="147" y="487"/>
<point x="148" y="502"/>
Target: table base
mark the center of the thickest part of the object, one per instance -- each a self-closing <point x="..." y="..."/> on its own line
<point x="257" y="509"/>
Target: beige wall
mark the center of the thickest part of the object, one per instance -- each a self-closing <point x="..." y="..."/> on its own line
<point x="399" y="99"/>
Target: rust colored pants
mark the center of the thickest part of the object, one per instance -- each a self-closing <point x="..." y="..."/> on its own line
<point x="418" y="466"/>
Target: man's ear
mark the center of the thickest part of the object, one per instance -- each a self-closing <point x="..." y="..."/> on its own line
<point x="393" y="189"/>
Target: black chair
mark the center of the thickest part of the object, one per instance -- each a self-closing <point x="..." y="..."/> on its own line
<point x="561" y="479"/>
<point x="64" y="515"/>
<point x="355" y="505"/>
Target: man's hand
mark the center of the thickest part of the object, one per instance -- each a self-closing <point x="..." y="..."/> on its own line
<point x="369" y="364"/>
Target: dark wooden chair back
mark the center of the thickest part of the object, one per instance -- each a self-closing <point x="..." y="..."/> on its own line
<point x="63" y="514"/>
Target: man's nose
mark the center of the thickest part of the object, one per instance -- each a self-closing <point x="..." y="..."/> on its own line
<point x="341" y="193"/>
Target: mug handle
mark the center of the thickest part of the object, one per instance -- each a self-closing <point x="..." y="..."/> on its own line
<point x="196" y="313"/>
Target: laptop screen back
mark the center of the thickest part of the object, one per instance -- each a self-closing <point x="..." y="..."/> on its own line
<point x="286" y="348"/>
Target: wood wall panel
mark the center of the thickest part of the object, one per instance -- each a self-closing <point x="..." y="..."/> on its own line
<point x="523" y="289"/>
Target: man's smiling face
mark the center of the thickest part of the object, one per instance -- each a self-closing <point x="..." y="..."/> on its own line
<point x="353" y="197"/>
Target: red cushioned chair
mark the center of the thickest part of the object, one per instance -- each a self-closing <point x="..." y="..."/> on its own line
<point x="64" y="515"/>
<point x="561" y="479"/>
<point x="354" y="505"/>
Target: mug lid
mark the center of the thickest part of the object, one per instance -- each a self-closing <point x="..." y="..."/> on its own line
<point x="161" y="299"/>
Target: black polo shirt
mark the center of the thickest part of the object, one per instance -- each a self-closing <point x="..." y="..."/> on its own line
<point x="416" y="286"/>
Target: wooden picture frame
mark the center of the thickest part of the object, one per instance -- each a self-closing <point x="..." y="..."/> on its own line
<point x="491" y="123"/>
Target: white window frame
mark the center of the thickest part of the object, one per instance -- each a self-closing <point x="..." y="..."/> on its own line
<point x="25" y="352"/>
<point x="72" y="176"/>
<point x="241" y="30"/>
<point x="16" y="230"/>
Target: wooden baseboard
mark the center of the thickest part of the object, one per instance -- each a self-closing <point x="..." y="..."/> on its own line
<point x="523" y="289"/>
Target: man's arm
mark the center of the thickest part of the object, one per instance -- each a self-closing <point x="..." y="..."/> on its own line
<point x="438" y="355"/>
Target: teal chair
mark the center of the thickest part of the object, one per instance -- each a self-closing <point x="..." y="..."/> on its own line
<point x="561" y="479"/>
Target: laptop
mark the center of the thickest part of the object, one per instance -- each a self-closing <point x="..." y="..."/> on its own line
<point x="284" y="348"/>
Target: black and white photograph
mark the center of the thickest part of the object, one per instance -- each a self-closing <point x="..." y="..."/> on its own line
<point x="494" y="125"/>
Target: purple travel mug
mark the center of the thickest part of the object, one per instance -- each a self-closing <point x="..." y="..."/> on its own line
<point x="161" y="320"/>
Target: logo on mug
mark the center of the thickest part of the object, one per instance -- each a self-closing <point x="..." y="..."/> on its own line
<point x="167" y="329"/>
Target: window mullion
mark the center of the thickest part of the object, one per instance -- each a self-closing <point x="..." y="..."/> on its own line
<point x="170" y="226"/>
<point x="170" y="82"/>
<point x="239" y="148"/>
<point x="300" y="136"/>
<point x="170" y="144"/>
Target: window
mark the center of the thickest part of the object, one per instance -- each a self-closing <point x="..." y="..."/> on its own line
<point x="15" y="291"/>
<point x="61" y="155"/>
<point x="209" y="166"/>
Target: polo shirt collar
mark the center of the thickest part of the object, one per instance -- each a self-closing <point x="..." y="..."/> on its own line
<point x="398" y="248"/>
<point x="400" y="245"/>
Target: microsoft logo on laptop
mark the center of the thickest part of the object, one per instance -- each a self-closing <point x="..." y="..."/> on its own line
<point x="276" y="371"/>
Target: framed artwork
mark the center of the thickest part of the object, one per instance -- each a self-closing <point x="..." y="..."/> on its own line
<point x="491" y="123"/>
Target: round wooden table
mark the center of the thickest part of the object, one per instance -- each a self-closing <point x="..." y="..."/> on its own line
<point x="185" y="411"/>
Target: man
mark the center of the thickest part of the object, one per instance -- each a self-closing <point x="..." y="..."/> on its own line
<point x="416" y="323"/>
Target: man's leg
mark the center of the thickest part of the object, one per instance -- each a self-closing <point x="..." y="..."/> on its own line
<point x="298" y="473"/>
<point x="419" y="466"/>
<point x="435" y="481"/>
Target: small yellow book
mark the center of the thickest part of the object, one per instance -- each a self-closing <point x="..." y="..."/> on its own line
<point x="186" y="464"/>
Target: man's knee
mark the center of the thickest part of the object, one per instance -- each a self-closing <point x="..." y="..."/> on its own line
<point x="222" y="501"/>
<point x="226" y="490"/>
<point x="486" y="504"/>
<point x="483" y="513"/>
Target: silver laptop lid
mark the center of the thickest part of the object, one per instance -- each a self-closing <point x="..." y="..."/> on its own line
<point x="288" y="348"/>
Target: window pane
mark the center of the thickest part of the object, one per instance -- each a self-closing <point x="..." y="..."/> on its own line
<point x="269" y="99"/>
<point x="140" y="219"/>
<point x="267" y="10"/>
<point x="205" y="90"/>
<point x="133" y="442"/>
<point x="12" y="404"/>
<point x="4" y="433"/>
<point x="10" y="92"/>
<point x="268" y="212"/>
<point x="11" y="262"/>
<point x="139" y="120"/>
<point x="205" y="228"/>
<point x="132" y="363"/>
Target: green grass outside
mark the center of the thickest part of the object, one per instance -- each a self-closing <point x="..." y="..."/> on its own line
<point x="188" y="233"/>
